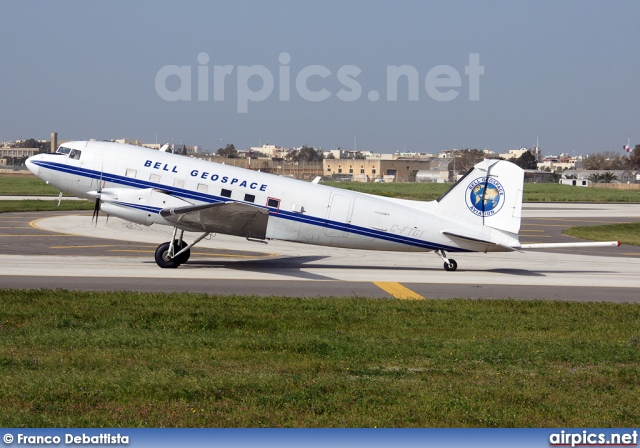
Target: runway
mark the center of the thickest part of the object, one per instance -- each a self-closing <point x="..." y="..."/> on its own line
<point x="66" y="250"/>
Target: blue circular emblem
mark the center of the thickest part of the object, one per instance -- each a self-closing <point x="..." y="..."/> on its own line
<point x="485" y="196"/>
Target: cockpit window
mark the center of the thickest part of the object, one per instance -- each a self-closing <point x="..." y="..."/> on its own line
<point x="63" y="150"/>
<point x="74" y="154"/>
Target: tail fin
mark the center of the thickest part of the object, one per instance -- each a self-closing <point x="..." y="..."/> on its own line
<point x="490" y="195"/>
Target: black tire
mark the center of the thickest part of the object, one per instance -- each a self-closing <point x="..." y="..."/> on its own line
<point x="162" y="258"/>
<point x="451" y="266"/>
<point x="184" y="257"/>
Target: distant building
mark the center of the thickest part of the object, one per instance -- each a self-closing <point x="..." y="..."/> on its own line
<point x="126" y="141"/>
<point x="349" y="154"/>
<point x="377" y="156"/>
<point x="623" y="176"/>
<point x="368" y="170"/>
<point x="561" y="163"/>
<point x="271" y="151"/>
<point x="18" y="152"/>
<point x="513" y="153"/>
<point x="538" y="176"/>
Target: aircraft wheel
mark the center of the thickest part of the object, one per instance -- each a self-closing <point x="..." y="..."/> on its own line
<point x="183" y="258"/>
<point x="162" y="257"/>
<point x="451" y="266"/>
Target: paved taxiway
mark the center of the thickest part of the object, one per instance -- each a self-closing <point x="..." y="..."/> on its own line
<point x="66" y="250"/>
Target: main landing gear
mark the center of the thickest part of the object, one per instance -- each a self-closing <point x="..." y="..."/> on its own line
<point x="172" y="254"/>
<point x="449" y="263"/>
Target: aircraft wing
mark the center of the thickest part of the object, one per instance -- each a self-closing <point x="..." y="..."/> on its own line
<point x="229" y="218"/>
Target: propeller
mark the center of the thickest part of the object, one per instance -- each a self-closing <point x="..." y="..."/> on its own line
<point x="96" y="209"/>
<point x="96" y="206"/>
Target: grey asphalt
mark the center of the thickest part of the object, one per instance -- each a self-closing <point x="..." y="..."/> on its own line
<point x="81" y="262"/>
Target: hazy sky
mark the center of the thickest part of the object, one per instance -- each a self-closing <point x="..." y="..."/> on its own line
<point x="566" y="71"/>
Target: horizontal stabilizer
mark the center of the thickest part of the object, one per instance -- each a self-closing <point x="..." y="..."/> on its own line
<point x="230" y="218"/>
<point x="563" y="245"/>
<point x="477" y="245"/>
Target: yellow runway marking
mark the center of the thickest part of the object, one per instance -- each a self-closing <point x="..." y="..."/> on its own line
<point x="193" y="253"/>
<point x="398" y="291"/>
<point x="83" y="247"/>
<point x="150" y="251"/>
<point x="137" y="251"/>
<point x="37" y="235"/>
<point x="34" y="224"/>
<point x="546" y="225"/>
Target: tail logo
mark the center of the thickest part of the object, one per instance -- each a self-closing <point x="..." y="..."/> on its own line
<point x="485" y="196"/>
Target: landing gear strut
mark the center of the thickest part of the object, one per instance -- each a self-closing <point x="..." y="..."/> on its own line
<point x="449" y="263"/>
<point x="172" y="254"/>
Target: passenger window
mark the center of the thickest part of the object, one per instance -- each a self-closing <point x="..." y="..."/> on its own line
<point x="154" y="178"/>
<point x="131" y="173"/>
<point x="249" y="198"/>
<point x="74" y="154"/>
<point x="178" y="183"/>
<point x="203" y="188"/>
<point x="225" y="193"/>
<point x="273" y="203"/>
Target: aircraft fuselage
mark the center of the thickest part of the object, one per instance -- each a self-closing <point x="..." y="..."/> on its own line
<point x="298" y="211"/>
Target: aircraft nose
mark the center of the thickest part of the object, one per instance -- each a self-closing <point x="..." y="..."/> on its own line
<point x="31" y="165"/>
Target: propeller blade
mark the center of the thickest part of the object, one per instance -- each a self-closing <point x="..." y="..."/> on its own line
<point x="96" y="207"/>
<point x="59" y="198"/>
<point x="96" y="210"/>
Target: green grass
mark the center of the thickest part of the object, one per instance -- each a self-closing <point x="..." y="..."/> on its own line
<point x="628" y="233"/>
<point x="35" y="205"/>
<point x="82" y="359"/>
<point x="25" y="185"/>
<point x="404" y="190"/>
<point x="568" y="193"/>
<point x="532" y="192"/>
<point x="29" y="185"/>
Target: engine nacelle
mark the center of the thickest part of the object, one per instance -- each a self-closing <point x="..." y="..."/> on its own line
<point x="141" y="206"/>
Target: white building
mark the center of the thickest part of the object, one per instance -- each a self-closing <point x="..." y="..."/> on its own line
<point x="513" y="153"/>
<point x="271" y="150"/>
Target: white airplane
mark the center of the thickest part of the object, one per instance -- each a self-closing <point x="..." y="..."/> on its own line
<point x="480" y="213"/>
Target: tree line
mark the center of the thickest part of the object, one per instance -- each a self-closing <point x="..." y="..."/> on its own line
<point x="609" y="160"/>
<point x="33" y="143"/>
<point x="465" y="159"/>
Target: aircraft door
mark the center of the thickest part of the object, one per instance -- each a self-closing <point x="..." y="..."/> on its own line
<point x="77" y="164"/>
<point x="339" y="216"/>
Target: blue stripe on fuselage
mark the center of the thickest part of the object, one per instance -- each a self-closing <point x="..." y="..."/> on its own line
<point x="211" y="199"/>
